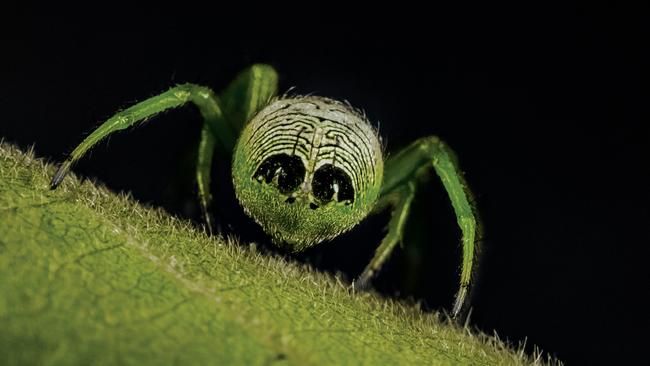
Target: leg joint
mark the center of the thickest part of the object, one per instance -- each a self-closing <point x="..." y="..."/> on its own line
<point x="429" y="145"/>
<point x="194" y="92"/>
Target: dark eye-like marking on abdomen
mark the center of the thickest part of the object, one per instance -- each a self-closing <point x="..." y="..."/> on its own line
<point x="332" y="183"/>
<point x="286" y="171"/>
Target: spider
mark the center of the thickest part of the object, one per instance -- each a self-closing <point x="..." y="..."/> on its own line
<point x="306" y="168"/>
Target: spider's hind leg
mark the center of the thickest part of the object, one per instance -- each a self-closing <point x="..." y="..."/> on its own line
<point x="203" y="168"/>
<point x="400" y="176"/>
<point x="400" y="200"/>
<point x="249" y="92"/>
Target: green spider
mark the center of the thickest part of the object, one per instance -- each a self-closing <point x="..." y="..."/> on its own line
<point x="306" y="168"/>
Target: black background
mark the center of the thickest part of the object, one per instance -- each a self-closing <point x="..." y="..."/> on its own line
<point x="547" y="109"/>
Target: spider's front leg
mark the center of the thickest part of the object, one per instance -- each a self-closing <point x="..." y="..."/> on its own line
<point x="223" y="116"/>
<point x="177" y="96"/>
<point x="400" y="177"/>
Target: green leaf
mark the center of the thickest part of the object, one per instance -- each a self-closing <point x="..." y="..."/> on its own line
<point x="91" y="277"/>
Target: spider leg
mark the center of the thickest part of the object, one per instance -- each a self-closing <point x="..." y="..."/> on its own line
<point x="250" y="91"/>
<point x="223" y="120"/>
<point x="177" y="96"/>
<point x="402" y="170"/>
<point x="400" y="200"/>
<point x="203" y="168"/>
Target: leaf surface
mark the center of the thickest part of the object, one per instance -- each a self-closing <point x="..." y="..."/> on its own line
<point x="91" y="277"/>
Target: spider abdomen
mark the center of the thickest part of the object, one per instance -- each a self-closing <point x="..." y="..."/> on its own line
<point x="307" y="169"/>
